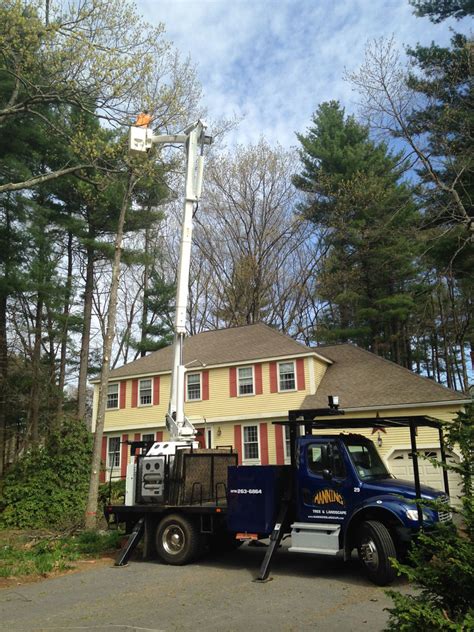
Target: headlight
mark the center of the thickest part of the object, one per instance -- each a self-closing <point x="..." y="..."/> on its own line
<point x="412" y="514"/>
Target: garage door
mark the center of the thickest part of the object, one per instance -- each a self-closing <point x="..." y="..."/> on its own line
<point x="400" y="464"/>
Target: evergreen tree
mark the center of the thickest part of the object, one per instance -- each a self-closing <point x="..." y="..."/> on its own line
<point x="367" y="216"/>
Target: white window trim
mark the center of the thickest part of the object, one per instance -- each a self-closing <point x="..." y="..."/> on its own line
<point x="287" y="390"/>
<point x="145" y="379"/>
<point x="247" y="366"/>
<point x="115" y="467"/>
<point x="259" y="443"/>
<point x="107" y="407"/>
<point x="196" y="399"/>
<point x="286" y="454"/>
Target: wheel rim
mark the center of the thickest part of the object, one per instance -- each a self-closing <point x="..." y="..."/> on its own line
<point x="173" y="539"/>
<point x="369" y="553"/>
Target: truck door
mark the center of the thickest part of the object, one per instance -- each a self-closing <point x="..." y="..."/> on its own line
<point x="324" y="489"/>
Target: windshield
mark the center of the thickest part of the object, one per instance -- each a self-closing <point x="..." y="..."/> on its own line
<point x="366" y="460"/>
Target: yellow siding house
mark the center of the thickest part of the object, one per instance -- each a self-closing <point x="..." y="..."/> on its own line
<point x="239" y="380"/>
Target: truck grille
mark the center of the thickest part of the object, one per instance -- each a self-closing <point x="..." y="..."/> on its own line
<point x="444" y="516"/>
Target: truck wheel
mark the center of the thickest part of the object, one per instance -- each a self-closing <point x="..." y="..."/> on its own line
<point x="178" y="540"/>
<point x="375" y="546"/>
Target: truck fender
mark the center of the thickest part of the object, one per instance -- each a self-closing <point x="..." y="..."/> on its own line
<point x="382" y="508"/>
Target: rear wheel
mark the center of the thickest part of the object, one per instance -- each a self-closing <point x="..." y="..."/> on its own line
<point x="375" y="546"/>
<point x="178" y="540"/>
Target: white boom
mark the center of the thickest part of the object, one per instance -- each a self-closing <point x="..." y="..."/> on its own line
<point x="194" y="138"/>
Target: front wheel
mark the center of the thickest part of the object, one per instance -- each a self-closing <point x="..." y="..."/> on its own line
<point x="178" y="540"/>
<point x="375" y="546"/>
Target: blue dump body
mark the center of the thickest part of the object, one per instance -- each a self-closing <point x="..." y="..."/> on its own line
<point x="254" y="496"/>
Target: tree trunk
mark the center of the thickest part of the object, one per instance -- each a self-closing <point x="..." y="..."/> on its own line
<point x="145" y="295"/>
<point x="91" y="509"/>
<point x="64" y="331"/>
<point x="86" y="334"/>
<point x="33" y="412"/>
<point x="3" y="379"/>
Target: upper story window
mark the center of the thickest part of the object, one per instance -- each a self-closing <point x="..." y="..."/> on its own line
<point x="113" y="396"/>
<point x="113" y="455"/>
<point x="145" y="393"/>
<point x="193" y="389"/>
<point x="287" y="376"/>
<point x="245" y="380"/>
<point x="251" y="445"/>
<point x="148" y="437"/>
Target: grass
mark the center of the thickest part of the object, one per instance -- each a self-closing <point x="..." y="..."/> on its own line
<point x="38" y="553"/>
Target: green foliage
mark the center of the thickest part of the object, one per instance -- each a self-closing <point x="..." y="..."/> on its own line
<point x="112" y="492"/>
<point x="19" y="555"/>
<point x="442" y="561"/>
<point x="368" y="218"/>
<point x="48" y="486"/>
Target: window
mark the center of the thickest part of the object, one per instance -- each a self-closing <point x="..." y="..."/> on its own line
<point x="325" y="456"/>
<point x="251" y="451"/>
<point x="114" y="452"/>
<point x="145" y="392"/>
<point x="245" y="380"/>
<point x="148" y="437"/>
<point x="113" y="396"/>
<point x="287" y="444"/>
<point x="287" y="376"/>
<point x="194" y="386"/>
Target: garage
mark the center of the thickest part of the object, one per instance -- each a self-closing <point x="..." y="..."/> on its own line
<point x="400" y="464"/>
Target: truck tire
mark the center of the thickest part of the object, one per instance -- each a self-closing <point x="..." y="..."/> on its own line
<point x="178" y="540"/>
<point x="375" y="546"/>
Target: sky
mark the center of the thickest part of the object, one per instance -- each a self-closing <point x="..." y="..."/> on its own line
<point x="271" y="62"/>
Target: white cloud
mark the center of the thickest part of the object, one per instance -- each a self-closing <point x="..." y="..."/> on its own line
<point x="274" y="61"/>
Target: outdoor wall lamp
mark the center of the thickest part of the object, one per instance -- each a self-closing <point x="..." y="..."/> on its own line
<point x="219" y="431"/>
<point x="333" y="401"/>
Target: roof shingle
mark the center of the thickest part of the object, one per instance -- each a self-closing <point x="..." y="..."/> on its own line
<point x="362" y="379"/>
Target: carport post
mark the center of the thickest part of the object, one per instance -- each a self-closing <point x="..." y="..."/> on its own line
<point x="416" y="471"/>
<point x="443" y="460"/>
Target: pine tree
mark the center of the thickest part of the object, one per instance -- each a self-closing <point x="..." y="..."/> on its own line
<point x="367" y="216"/>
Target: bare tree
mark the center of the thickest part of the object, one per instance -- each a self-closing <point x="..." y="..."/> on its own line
<point x="390" y="105"/>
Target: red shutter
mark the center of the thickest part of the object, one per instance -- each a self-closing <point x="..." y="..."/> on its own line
<point x="159" y="435"/>
<point x="205" y="384"/>
<point x="280" y="453"/>
<point x="258" y="379"/>
<point x="273" y="378"/>
<point x="264" y="444"/>
<point x="300" y="374"/>
<point x="156" y="390"/>
<point x="123" y="393"/>
<point x="136" y="438"/>
<point x="238" y="441"/>
<point x="233" y="381"/>
<point x="103" y="455"/>
<point x="134" y="393"/>
<point x="124" y="457"/>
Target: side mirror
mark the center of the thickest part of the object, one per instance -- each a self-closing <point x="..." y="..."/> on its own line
<point x="327" y="475"/>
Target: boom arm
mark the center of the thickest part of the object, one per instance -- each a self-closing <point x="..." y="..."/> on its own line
<point x="193" y="137"/>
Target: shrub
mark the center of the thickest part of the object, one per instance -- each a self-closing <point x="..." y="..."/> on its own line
<point x="48" y="486"/>
<point x="442" y="561"/>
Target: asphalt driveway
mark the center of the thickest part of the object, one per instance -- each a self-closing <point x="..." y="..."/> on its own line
<point x="307" y="593"/>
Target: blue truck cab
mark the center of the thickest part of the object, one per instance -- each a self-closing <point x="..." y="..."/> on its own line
<point x="337" y="496"/>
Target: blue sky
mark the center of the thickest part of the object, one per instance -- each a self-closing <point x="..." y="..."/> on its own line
<point x="273" y="61"/>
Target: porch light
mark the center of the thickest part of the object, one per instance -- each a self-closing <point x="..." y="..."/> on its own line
<point x="333" y="401"/>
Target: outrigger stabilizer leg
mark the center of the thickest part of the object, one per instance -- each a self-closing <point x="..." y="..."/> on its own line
<point x="275" y="539"/>
<point x="133" y="539"/>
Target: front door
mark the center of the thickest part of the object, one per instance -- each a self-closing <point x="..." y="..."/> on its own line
<point x="324" y="487"/>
